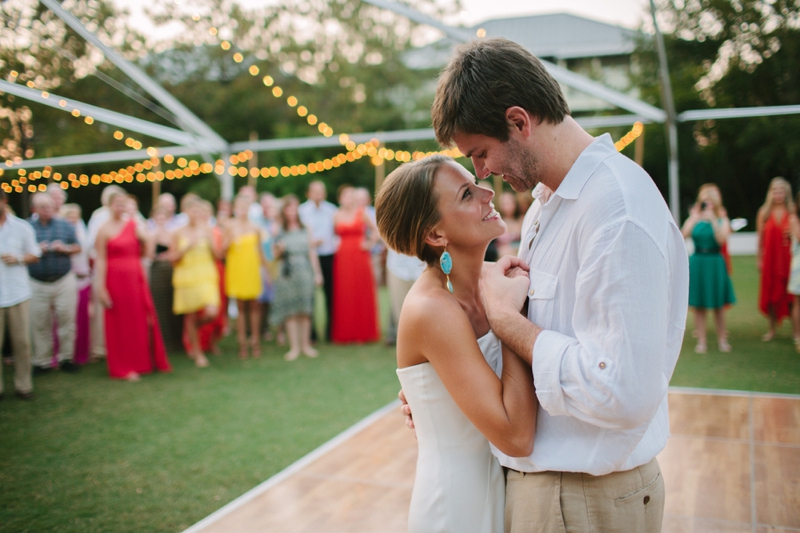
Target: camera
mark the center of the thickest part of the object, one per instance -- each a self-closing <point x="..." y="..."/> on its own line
<point x="703" y="206"/>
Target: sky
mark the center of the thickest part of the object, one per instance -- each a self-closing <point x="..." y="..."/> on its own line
<point x="628" y="13"/>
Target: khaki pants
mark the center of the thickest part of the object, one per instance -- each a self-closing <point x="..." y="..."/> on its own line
<point x="19" y="329"/>
<point x="97" y="332"/>
<point x="60" y="298"/>
<point x="565" y="502"/>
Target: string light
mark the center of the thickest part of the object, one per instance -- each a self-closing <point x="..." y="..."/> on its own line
<point x="629" y="137"/>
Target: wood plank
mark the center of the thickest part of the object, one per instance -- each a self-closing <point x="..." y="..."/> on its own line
<point x="684" y="524"/>
<point x="778" y="485"/>
<point x="706" y="478"/>
<point x="777" y="420"/>
<point x="709" y="416"/>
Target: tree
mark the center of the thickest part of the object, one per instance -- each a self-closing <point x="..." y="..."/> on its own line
<point x="729" y="53"/>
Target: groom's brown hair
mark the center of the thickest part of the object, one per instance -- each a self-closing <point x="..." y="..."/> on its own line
<point x="482" y="80"/>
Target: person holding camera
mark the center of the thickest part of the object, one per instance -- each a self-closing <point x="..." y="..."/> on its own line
<point x="710" y="286"/>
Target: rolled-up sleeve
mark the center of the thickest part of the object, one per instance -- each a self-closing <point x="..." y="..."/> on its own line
<point x="611" y="372"/>
<point x="30" y="244"/>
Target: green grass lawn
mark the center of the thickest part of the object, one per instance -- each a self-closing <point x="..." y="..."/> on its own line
<point x="91" y="454"/>
<point x="752" y="365"/>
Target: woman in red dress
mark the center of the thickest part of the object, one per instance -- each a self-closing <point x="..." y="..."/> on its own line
<point x="133" y="339"/>
<point x="355" y="309"/>
<point x="774" y="253"/>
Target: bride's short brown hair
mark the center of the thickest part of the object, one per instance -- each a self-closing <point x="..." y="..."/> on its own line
<point x="406" y="208"/>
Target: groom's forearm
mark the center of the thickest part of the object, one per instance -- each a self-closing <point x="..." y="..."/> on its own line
<point x="516" y="332"/>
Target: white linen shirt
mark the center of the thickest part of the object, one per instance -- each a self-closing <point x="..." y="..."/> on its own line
<point x="319" y="220"/>
<point x="609" y="286"/>
<point x="16" y="238"/>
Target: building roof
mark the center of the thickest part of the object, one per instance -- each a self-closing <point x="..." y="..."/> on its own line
<point x="558" y="36"/>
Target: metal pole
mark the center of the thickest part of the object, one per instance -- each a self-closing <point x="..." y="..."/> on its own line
<point x="156" y="185"/>
<point x="252" y="162"/>
<point x="671" y="123"/>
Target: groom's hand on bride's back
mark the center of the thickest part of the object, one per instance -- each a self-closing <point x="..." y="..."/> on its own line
<point x="406" y="409"/>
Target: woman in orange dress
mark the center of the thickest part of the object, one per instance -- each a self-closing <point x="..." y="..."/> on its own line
<point x="774" y="253"/>
<point x="355" y="307"/>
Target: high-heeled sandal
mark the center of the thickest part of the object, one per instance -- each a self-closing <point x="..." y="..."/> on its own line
<point x="724" y="347"/>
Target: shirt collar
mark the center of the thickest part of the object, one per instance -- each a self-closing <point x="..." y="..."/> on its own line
<point x="591" y="157"/>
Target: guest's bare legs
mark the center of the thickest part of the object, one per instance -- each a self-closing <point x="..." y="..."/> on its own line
<point x="700" y="327"/>
<point x="773" y="323"/>
<point x="292" y="325"/>
<point x="255" y="327"/>
<point x="241" y="328"/>
<point x="305" y="336"/>
<point x="722" y="332"/>
<point x="192" y="323"/>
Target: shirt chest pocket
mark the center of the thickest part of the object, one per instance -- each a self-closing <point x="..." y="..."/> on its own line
<point x="541" y="298"/>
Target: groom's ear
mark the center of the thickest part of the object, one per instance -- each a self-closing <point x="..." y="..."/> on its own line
<point x="435" y="238"/>
<point x="519" y="121"/>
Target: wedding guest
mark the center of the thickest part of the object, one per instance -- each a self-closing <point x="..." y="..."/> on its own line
<point x="54" y="287"/>
<point x="294" y="286"/>
<point x="401" y="273"/>
<point x="243" y="261"/>
<point x="774" y="253"/>
<point x="97" y="332"/>
<point x="133" y="337"/>
<point x="215" y="326"/>
<point x="317" y="214"/>
<point x="18" y="248"/>
<point x="377" y="251"/>
<point x="167" y="206"/>
<point x="508" y="242"/>
<point x="794" y="273"/>
<point x="160" y="278"/>
<point x="80" y="267"/>
<point x="195" y="276"/>
<point x="710" y="286"/>
<point x="270" y="228"/>
<point x="355" y="312"/>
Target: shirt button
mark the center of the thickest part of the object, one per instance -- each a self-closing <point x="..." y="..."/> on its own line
<point x="531" y="293"/>
<point x="646" y="500"/>
<point x="602" y="366"/>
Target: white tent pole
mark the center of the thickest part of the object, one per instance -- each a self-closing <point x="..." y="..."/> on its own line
<point x="185" y="116"/>
<point x="102" y="115"/>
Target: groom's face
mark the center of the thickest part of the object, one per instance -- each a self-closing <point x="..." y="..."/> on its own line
<point x="511" y="159"/>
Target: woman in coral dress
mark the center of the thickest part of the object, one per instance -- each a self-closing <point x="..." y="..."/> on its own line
<point x="774" y="253"/>
<point x="133" y="338"/>
<point x="355" y="307"/>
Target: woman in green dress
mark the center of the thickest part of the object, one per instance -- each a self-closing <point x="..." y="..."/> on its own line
<point x="295" y="285"/>
<point x="710" y="286"/>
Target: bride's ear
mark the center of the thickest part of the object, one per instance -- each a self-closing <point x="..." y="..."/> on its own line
<point x="435" y="238"/>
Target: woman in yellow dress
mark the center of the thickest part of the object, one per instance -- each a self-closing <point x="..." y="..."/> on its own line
<point x="243" y="262"/>
<point x="195" y="277"/>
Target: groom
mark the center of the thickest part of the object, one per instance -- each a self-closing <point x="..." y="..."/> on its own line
<point x="607" y="301"/>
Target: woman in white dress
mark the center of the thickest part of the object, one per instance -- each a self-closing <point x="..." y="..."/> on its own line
<point x="464" y="388"/>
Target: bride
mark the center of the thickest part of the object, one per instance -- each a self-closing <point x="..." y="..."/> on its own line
<point x="464" y="388"/>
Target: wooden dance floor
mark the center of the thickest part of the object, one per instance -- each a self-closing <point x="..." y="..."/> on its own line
<point x="732" y="465"/>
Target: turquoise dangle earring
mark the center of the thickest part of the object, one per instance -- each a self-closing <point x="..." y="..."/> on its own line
<point x="446" y="262"/>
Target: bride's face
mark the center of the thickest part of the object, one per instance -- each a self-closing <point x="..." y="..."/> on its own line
<point x="468" y="217"/>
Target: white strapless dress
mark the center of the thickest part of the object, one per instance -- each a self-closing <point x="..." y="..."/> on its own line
<point x="459" y="485"/>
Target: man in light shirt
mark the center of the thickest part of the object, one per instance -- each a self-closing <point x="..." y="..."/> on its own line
<point x="316" y="214"/>
<point x="606" y="302"/>
<point x="18" y="248"/>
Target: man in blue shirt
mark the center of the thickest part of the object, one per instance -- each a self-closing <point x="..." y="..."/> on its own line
<point x="53" y="285"/>
<point x="317" y="215"/>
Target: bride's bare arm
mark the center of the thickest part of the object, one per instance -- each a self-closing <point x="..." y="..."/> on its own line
<point x="436" y="329"/>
